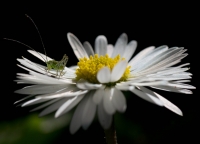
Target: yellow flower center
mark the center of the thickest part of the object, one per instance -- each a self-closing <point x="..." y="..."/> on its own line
<point x="88" y="68"/>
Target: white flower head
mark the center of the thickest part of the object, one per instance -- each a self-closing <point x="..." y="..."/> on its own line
<point x="95" y="84"/>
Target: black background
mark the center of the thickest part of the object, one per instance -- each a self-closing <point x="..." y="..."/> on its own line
<point x="173" y="25"/>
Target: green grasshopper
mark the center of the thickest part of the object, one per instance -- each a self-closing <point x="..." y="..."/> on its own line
<point x="58" y="66"/>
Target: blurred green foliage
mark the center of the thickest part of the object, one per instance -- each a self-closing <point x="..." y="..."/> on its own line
<point x="32" y="129"/>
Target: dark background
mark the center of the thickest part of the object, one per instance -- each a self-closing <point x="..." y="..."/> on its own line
<point x="143" y="122"/>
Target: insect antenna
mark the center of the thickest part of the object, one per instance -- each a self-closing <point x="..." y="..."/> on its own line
<point x="39" y="34"/>
<point x="24" y="45"/>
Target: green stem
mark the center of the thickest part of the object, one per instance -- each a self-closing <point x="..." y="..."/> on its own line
<point x="111" y="137"/>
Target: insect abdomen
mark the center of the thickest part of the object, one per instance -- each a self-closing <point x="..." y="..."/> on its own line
<point x="53" y="64"/>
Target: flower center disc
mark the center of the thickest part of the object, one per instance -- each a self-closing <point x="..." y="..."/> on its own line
<point x="88" y="68"/>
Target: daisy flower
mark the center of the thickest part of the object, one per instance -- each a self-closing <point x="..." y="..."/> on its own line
<point x="95" y="84"/>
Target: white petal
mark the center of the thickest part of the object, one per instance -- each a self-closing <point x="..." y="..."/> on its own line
<point x="53" y="107"/>
<point x="149" y="83"/>
<point x="170" y="61"/>
<point x="51" y="80"/>
<point x="154" y="54"/>
<point x="45" y="78"/>
<point x="182" y="81"/>
<point x="118" y="71"/>
<point x="33" y="101"/>
<point x="120" y="45"/>
<point x="62" y="94"/>
<point x="89" y="111"/>
<point x="172" y="89"/>
<point x="69" y="71"/>
<point x="119" y="100"/>
<point x="24" y="99"/>
<point x="166" y="58"/>
<point x="101" y="45"/>
<point x="37" y="67"/>
<point x="40" y="89"/>
<point x="36" y="78"/>
<point x="129" y="50"/>
<point x="167" y="78"/>
<point x="68" y="105"/>
<point x="68" y="91"/>
<point x="182" y="74"/>
<point x="124" y="87"/>
<point x="88" y="48"/>
<point x="147" y="97"/>
<point x="180" y="66"/>
<point x="77" y="117"/>
<point x="98" y="96"/>
<point x="159" y="56"/>
<point x="85" y="85"/>
<point x="158" y="49"/>
<point x="104" y="118"/>
<point x="179" y="85"/>
<point x="92" y="86"/>
<point x="107" y="101"/>
<point x="81" y="84"/>
<point x="165" y="102"/>
<point x="40" y="56"/>
<point x="169" y="71"/>
<point x="31" y="66"/>
<point x="170" y="105"/>
<point x="110" y="49"/>
<point x="133" y="80"/>
<point x="140" y="55"/>
<point x="185" y="91"/>
<point x="104" y="75"/>
<point x="45" y="104"/>
<point x="30" y="80"/>
<point x="22" y="74"/>
<point x="76" y="45"/>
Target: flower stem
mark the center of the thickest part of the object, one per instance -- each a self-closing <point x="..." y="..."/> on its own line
<point x="111" y="137"/>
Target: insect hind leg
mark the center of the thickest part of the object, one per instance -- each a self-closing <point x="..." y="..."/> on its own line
<point x="47" y="70"/>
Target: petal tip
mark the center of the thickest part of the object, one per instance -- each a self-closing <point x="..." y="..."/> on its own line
<point x="69" y="35"/>
<point x="56" y="115"/>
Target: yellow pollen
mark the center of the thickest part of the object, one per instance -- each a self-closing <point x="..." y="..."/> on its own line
<point x="88" y="68"/>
